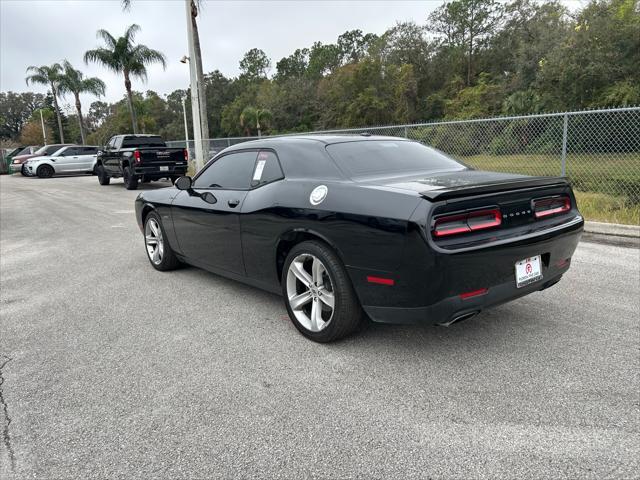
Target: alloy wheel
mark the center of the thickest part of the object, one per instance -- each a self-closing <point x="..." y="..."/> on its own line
<point x="154" y="241"/>
<point x="310" y="292"/>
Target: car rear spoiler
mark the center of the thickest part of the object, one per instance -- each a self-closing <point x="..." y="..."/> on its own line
<point x="493" y="187"/>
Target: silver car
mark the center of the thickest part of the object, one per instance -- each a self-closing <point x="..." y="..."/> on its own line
<point x="67" y="160"/>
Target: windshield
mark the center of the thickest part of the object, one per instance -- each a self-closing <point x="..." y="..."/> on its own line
<point x="389" y="157"/>
<point x="48" y="150"/>
<point x="130" y="142"/>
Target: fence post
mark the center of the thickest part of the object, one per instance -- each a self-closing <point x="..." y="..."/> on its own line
<point x="228" y="142"/>
<point x="406" y="135"/>
<point x="564" y="144"/>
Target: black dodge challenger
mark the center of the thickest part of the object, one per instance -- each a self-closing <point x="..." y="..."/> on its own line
<point x="344" y="224"/>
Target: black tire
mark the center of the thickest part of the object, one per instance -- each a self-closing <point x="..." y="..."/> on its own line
<point x="130" y="180"/>
<point x="94" y="171"/>
<point x="103" y="178"/>
<point x="23" y="171"/>
<point x="45" y="171"/>
<point x="347" y="312"/>
<point x="169" y="261"/>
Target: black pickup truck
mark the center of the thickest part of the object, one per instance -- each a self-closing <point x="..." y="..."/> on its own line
<point x="139" y="158"/>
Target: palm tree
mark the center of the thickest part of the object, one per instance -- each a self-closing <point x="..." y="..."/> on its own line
<point x="49" y="76"/>
<point x="251" y="117"/>
<point x="121" y="55"/>
<point x="73" y="81"/>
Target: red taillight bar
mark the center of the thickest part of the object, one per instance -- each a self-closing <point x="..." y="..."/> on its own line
<point x="380" y="280"/>
<point x="467" y="222"/>
<point x="136" y="155"/>
<point x="474" y="293"/>
<point x="185" y="152"/>
<point x="556" y="205"/>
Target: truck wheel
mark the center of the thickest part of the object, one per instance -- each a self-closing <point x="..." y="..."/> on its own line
<point x="159" y="251"/>
<point x="318" y="293"/>
<point x="130" y="180"/>
<point x="103" y="178"/>
<point x="45" y="171"/>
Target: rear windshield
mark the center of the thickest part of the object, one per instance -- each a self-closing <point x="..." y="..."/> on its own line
<point x="388" y="157"/>
<point x="129" y="142"/>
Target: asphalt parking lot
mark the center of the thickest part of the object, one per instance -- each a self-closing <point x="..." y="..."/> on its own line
<point x="112" y="369"/>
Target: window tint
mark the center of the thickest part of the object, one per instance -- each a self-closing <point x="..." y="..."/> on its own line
<point x="380" y="157"/>
<point x="267" y="169"/>
<point x="231" y="171"/>
<point x="132" y="141"/>
<point x="70" y="151"/>
<point x="89" y="150"/>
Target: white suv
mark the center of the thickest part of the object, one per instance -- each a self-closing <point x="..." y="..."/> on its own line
<point x="71" y="159"/>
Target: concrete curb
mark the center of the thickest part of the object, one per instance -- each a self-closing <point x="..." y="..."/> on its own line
<point x="616" y="229"/>
<point x="612" y="234"/>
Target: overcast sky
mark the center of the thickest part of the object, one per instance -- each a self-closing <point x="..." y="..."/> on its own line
<point x="46" y="31"/>
<point x="39" y="32"/>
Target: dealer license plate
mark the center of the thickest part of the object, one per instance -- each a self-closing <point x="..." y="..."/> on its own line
<point x="528" y="271"/>
<point x="164" y="169"/>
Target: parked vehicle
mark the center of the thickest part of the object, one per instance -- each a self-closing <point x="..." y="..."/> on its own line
<point x="18" y="160"/>
<point x="6" y="157"/>
<point x="337" y="224"/>
<point x="139" y="158"/>
<point x="67" y="160"/>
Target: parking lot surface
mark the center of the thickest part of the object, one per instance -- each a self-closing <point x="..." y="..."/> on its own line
<point x="112" y="369"/>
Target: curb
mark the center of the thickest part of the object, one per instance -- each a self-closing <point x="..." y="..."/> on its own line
<point x="632" y="231"/>
<point x="612" y="234"/>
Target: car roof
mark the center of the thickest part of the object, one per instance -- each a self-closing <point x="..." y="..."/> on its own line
<point x="326" y="139"/>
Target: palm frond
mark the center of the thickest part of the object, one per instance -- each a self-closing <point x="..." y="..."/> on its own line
<point x="94" y="86"/>
<point x="104" y="57"/>
<point x="130" y="33"/>
<point x="106" y="37"/>
<point x="147" y="56"/>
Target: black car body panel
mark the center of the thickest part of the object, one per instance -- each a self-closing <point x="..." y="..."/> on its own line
<point x="380" y="226"/>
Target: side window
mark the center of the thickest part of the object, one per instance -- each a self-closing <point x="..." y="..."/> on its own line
<point x="110" y="143"/>
<point x="267" y="169"/>
<point x="232" y="171"/>
<point x="89" y="150"/>
<point x="70" y="152"/>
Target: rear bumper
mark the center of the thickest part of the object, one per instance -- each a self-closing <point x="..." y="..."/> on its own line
<point x="429" y="287"/>
<point x="154" y="172"/>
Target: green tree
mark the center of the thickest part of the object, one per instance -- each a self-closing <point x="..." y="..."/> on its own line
<point x="48" y="76"/>
<point x="467" y="25"/>
<point x="254" y="65"/>
<point x="121" y="55"/>
<point x="254" y="120"/>
<point x="16" y="110"/>
<point x="73" y="81"/>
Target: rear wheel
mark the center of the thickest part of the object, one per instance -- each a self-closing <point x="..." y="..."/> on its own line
<point x="318" y="293"/>
<point x="130" y="180"/>
<point x="158" y="249"/>
<point x="103" y="178"/>
<point x="45" y="171"/>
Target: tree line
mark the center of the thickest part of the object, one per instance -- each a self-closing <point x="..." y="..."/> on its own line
<point x="468" y="59"/>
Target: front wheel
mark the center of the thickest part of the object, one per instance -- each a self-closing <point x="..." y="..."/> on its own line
<point x="103" y="178"/>
<point x="158" y="249"/>
<point x="319" y="297"/>
<point x="45" y="171"/>
<point x="130" y="179"/>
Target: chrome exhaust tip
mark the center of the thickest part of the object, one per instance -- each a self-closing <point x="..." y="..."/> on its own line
<point x="459" y="318"/>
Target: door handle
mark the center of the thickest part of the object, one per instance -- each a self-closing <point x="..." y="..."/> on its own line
<point x="233" y="203"/>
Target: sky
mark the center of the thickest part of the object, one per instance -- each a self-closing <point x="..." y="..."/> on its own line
<point x="46" y="31"/>
<point x="42" y="32"/>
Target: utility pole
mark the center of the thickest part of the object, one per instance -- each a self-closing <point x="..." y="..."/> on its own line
<point x="186" y="128"/>
<point x="44" y="132"/>
<point x="195" y="97"/>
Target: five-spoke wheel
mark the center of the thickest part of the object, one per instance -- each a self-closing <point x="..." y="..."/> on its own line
<point x="318" y="292"/>
<point x="159" y="251"/>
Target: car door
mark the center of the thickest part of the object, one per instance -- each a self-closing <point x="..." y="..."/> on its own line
<point x="66" y="160"/>
<point x="206" y="218"/>
<point x="109" y="158"/>
<point x="87" y="158"/>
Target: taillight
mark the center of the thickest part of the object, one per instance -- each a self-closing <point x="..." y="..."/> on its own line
<point x="544" y="207"/>
<point x="467" y="222"/>
<point x="136" y="155"/>
<point x="185" y="152"/>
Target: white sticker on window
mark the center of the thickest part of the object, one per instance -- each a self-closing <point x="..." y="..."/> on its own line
<point x="257" y="175"/>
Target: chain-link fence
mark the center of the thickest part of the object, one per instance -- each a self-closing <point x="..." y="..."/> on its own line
<point x="599" y="150"/>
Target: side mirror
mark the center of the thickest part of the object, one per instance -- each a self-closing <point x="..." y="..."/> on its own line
<point x="99" y="152"/>
<point x="184" y="183"/>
